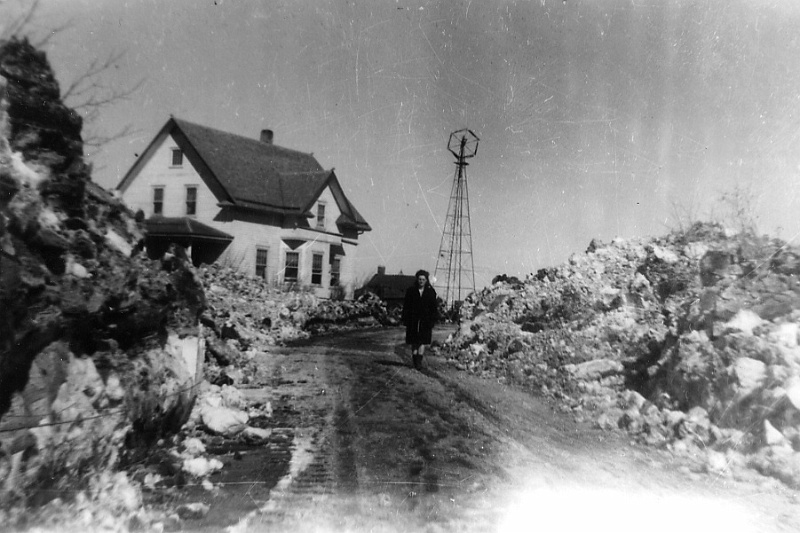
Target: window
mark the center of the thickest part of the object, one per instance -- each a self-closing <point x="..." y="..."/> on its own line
<point x="316" y="269"/>
<point x="158" y="200"/>
<point x="191" y="201"/>
<point x="336" y="266"/>
<point x="261" y="263"/>
<point x="292" y="266"/>
<point x="177" y="157"/>
<point x="321" y="215"/>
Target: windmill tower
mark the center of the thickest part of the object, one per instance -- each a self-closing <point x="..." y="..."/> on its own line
<point x="455" y="270"/>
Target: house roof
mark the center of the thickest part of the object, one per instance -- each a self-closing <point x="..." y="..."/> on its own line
<point x="390" y="286"/>
<point x="183" y="227"/>
<point x="252" y="174"/>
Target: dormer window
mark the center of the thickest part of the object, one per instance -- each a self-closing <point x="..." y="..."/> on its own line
<point x="177" y="157"/>
<point x="321" y="216"/>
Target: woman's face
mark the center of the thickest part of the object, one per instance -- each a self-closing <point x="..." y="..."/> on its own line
<point x="421" y="281"/>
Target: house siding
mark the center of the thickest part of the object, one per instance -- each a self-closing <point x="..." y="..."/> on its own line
<point x="331" y="211"/>
<point x="159" y="172"/>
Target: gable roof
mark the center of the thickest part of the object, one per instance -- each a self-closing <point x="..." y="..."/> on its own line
<point x="252" y="174"/>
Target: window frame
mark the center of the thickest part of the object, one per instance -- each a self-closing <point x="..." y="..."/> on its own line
<point x="336" y="271"/>
<point x="264" y="265"/>
<point x="176" y="156"/>
<point x="321" y="215"/>
<point x="317" y="270"/>
<point x="158" y="203"/>
<point x="288" y="268"/>
<point x="193" y="211"/>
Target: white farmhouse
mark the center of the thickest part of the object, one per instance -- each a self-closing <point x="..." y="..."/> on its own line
<point x="268" y="211"/>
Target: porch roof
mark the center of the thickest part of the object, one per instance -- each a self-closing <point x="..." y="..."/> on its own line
<point x="183" y="227"/>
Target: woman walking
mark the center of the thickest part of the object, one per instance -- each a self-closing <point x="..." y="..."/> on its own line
<point x="419" y="315"/>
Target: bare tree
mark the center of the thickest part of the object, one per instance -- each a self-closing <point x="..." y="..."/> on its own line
<point x="88" y="93"/>
<point x="683" y="215"/>
<point x="739" y="210"/>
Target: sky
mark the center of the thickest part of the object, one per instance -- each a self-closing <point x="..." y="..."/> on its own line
<point x="597" y="119"/>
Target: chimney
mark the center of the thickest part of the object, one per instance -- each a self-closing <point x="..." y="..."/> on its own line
<point x="381" y="270"/>
<point x="266" y="136"/>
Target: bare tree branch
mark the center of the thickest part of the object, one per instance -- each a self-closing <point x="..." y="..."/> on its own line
<point x="95" y="68"/>
<point x="88" y="93"/>
<point x="20" y="22"/>
<point x="53" y="32"/>
<point x="683" y="215"/>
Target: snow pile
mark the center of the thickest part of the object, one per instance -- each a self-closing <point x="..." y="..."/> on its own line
<point x="689" y="342"/>
<point x="100" y="347"/>
<point x="246" y="316"/>
<point x="193" y="461"/>
<point x="110" y="502"/>
<point x="220" y="411"/>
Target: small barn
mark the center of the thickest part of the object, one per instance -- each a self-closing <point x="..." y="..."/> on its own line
<point x="391" y="288"/>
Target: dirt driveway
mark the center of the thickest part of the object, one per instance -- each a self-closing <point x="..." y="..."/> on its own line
<point x="378" y="446"/>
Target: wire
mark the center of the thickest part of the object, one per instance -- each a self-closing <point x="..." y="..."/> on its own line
<point x="102" y="414"/>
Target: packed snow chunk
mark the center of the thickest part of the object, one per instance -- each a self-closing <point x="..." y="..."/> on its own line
<point x="232" y="397"/>
<point x="695" y="250"/>
<point x="252" y="433"/>
<point x="118" y="242"/>
<point x="793" y="391"/>
<point x="716" y="463"/>
<point x="114" y="492"/>
<point x="745" y="321"/>
<point x="630" y="399"/>
<point x="608" y="295"/>
<point x="786" y="334"/>
<point x="201" y="466"/>
<point x="477" y="350"/>
<point x="114" y="390"/>
<point x="150" y="480"/>
<point x="773" y="437"/>
<point x="595" y="369"/>
<point x="193" y="511"/>
<point x="47" y="218"/>
<point x="223" y="420"/>
<point x="750" y="374"/>
<point x="23" y="171"/>
<point x="194" y="447"/>
<point x="640" y="282"/>
<point x="76" y="269"/>
<point x="667" y="256"/>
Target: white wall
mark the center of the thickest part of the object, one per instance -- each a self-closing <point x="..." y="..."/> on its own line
<point x="264" y="231"/>
<point x="332" y="211"/>
<point x="159" y="172"/>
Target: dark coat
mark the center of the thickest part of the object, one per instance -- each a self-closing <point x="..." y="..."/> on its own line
<point x="419" y="314"/>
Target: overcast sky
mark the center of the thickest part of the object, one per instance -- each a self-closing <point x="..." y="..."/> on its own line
<point x="595" y="117"/>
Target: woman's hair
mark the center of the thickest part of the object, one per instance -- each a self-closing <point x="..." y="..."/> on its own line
<point x="423" y="273"/>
